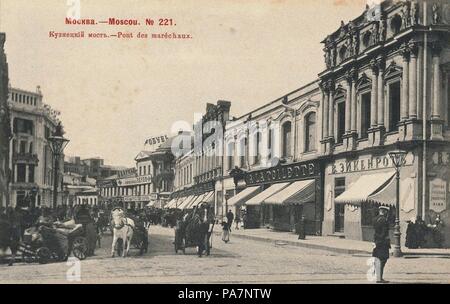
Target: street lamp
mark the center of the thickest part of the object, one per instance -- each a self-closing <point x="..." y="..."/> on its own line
<point x="57" y="144"/>
<point x="398" y="158"/>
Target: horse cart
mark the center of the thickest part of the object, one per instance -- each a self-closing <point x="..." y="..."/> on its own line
<point x="44" y="244"/>
<point x="191" y="234"/>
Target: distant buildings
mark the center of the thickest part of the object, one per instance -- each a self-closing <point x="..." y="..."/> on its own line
<point x="31" y="162"/>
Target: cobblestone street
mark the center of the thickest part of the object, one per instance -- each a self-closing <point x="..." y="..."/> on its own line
<point x="240" y="261"/>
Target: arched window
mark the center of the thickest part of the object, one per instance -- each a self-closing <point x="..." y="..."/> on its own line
<point x="286" y="136"/>
<point x="230" y="155"/>
<point x="310" y="132"/>
<point x="396" y="24"/>
<point x="257" y="147"/>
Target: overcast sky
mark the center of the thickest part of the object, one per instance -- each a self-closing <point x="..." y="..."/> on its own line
<point x="113" y="94"/>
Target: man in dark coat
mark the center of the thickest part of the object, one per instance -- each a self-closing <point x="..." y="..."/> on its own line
<point x="230" y="217"/>
<point x="382" y="242"/>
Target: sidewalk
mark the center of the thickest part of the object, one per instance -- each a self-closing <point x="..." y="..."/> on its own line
<point x="329" y="243"/>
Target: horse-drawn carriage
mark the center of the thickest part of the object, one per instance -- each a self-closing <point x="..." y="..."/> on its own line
<point x="194" y="230"/>
<point x="127" y="231"/>
<point x="46" y="243"/>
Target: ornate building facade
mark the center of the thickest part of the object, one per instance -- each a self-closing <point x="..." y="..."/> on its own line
<point x="386" y="87"/>
<point x="31" y="161"/>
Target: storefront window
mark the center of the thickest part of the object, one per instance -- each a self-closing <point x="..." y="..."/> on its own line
<point x="369" y="212"/>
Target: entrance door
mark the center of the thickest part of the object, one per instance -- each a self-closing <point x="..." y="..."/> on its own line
<point x="339" y="210"/>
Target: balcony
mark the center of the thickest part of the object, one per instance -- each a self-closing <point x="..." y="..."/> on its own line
<point x="25" y="158"/>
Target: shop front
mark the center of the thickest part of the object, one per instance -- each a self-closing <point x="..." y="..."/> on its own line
<point x="285" y="196"/>
<point x="355" y="187"/>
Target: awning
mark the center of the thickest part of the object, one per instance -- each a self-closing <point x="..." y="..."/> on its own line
<point x="208" y="198"/>
<point x="186" y="202"/>
<point x="244" y="195"/>
<point x="261" y="197"/>
<point x="170" y="203"/>
<point x="364" y="187"/>
<point x="196" y="201"/>
<point x="387" y="195"/>
<point x="151" y="204"/>
<point x="296" y="193"/>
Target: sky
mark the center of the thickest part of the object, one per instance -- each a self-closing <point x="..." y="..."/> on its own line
<point x="115" y="93"/>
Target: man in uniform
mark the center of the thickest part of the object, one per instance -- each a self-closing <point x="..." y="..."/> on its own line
<point x="382" y="242"/>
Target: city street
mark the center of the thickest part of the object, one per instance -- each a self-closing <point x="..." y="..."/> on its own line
<point x="240" y="261"/>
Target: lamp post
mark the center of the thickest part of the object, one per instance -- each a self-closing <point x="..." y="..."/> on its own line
<point x="398" y="159"/>
<point x="57" y="144"/>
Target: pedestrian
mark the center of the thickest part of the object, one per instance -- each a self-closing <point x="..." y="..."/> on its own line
<point x="225" y="230"/>
<point x="382" y="242"/>
<point x="237" y="220"/>
<point x="230" y="217"/>
<point x="244" y="219"/>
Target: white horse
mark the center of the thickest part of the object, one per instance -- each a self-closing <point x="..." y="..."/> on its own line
<point x="123" y="229"/>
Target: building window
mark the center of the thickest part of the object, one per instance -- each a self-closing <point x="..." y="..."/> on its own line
<point x="30" y="150"/>
<point x="21" y="173"/>
<point x="31" y="173"/>
<point x="23" y="126"/>
<point x="310" y="132"/>
<point x="286" y="131"/>
<point x="230" y="155"/>
<point x="270" y="141"/>
<point x="394" y="105"/>
<point x="365" y="114"/>
<point x="257" y="157"/>
<point x="242" y="151"/>
<point x="140" y="171"/>
<point x="340" y="109"/>
<point x="396" y="24"/>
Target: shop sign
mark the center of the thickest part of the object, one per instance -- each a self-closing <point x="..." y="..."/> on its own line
<point x="367" y="164"/>
<point x="131" y="181"/>
<point x="438" y="195"/>
<point x="296" y="171"/>
<point x="138" y="198"/>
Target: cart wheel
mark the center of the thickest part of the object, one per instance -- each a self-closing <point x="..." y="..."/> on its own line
<point x="79" y="251"/>
<point x="43" y="254"/>
<point x="28" y="257"/>
<point x="79" y="240"/>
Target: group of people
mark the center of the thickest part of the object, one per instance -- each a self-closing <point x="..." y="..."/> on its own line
<point x="417" y="231"/>
<point x="227" y="223"/>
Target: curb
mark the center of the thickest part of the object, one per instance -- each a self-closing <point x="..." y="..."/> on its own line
<point x="335" y="249"/>
<point x="300" y="244"/>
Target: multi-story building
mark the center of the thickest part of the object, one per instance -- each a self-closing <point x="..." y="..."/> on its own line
<point x="5" y="125"/>
<point x="387" y="72"/>
<point x="149" y="183"/>
<point x="275" y="148"/>
<point x="31" y="162"/>
<point x="199" y="169"/>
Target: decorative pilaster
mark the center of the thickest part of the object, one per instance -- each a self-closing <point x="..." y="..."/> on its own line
<point x="412" y="125"/>
<point x="405" y="84"/>
<point x="412" y="94"/>
<point x="349" y="137"/>
<point x="381" y="66"/>
<point x="436" y="121"/>
<point x="331" y="110"/>
<point x="373" y="103"/>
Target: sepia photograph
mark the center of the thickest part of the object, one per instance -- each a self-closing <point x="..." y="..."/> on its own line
<point x="245" y="143"/>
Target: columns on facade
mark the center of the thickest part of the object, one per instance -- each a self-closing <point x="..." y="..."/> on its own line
<point x="350" y="111"/>
<point x="380" y="94"/>
<point x="436" y="118"/>
<point x="404" y="105"/>
<point x="412" y="94"/>
<point x="374" y="94"/>
<point x="331" y="110"/>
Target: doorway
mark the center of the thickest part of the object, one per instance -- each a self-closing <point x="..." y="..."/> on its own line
<point x="339" y="211"/>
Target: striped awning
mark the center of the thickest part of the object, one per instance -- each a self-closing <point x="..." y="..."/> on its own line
<point x="186" y="202"/>
<point x="365" y="188"/>
<point x="261" y="197"/>
<point x="196" y="201"/>
<point x="296" y="193"/>
<point x="244" y="195"/>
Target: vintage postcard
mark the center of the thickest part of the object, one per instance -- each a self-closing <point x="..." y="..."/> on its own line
<point x="225" y="141"/>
